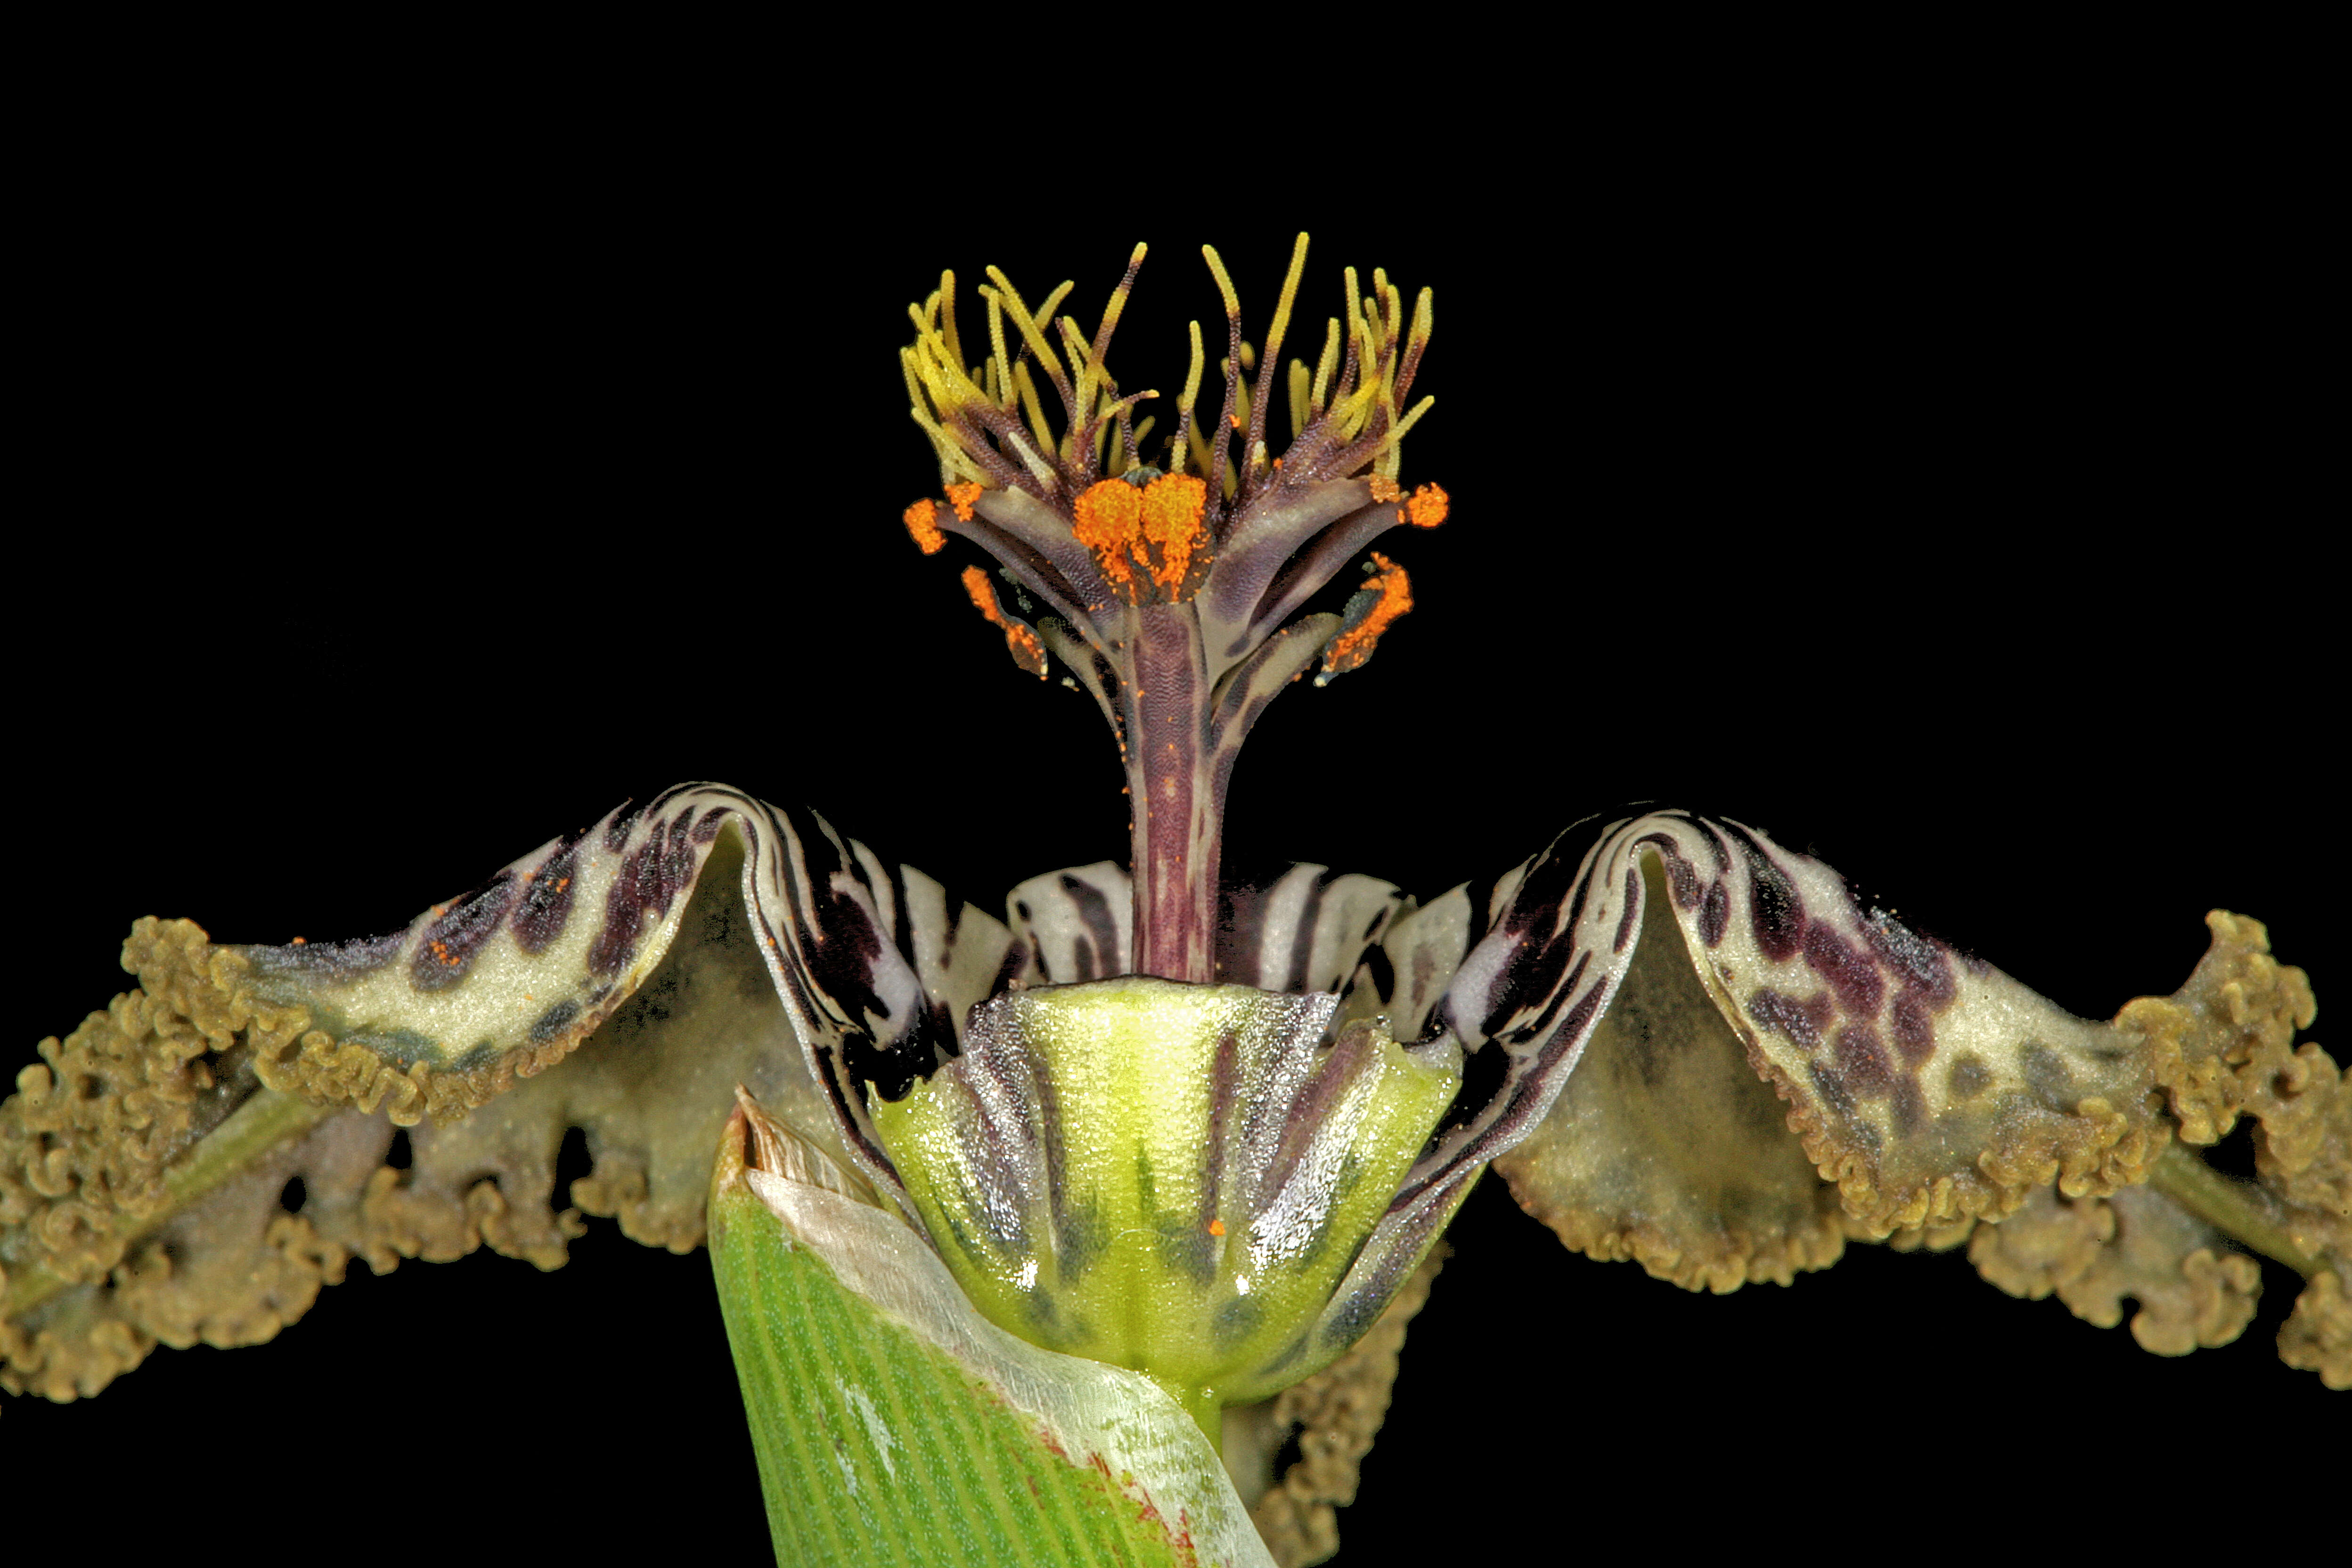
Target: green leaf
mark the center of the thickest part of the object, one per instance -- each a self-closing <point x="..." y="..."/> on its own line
<point x="894" y="1425"/>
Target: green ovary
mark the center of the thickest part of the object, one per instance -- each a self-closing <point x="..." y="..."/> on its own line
<point x="1134" y="1261"/>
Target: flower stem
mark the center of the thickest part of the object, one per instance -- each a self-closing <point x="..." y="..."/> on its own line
<point x="2238" y="1209"/>
<point x="1176" y="806"/>
<point x="251" y="1131"/>
<point x="1207" y="1411"/>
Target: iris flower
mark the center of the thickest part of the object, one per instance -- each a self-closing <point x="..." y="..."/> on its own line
<point x="1683" y="1043"/>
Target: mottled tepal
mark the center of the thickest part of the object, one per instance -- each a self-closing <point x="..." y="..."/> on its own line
<point x="1079" y="1186"/>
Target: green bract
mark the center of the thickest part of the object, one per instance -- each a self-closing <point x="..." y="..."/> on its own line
<point x="1187" y="1180"/>
<point x="893" y="1425"/>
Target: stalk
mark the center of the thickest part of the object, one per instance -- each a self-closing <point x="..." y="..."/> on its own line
<point x="251" y="1131"/>
<point x="1175" y="809"/>
<point x="2239" y="1210"/>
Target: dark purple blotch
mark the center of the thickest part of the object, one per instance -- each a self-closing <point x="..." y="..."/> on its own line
<point x="1774" y="910"/>
<point x="1914" y="1026"/>
<point x="1682" y="877"/>
<point x="446" y="950"/>
<point x="1633" y="908"/>
<point x="1851" y="974"/>
<point x="1715" y="914"/>
<point x="545" y="907"/>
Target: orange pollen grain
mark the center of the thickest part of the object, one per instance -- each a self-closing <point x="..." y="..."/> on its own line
<point x="1216" y="1227"/>
<point x="1386" y="488"/>
<point x="1428" y="507"/>
<point x="299" y="941"/>
<point x="961" y="497"/>
<point x="1172" y="508"/>
<point x="1110" y="523"/>
<point x="984" y="595"/>
<point x="1028" y="652"/>
<point x="1354" y="646"/>
<point x="918" y="518"/>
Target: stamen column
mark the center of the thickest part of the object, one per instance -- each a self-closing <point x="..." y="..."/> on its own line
<point x="1175" y="808"/>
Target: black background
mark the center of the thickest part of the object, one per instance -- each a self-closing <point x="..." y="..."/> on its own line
<point x="1944" y="511"/>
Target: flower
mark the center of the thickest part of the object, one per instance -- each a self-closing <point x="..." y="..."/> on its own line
<point x="1670" y="1029"/>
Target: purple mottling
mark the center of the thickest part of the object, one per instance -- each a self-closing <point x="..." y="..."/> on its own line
<point x="1801" y="1022"/>
<point x="1914" y="1026"/>
<point x="1715" y="842"/>
<point x="546" y="904"/>
<point x="1852" y="975"/>
<point x="1774" y="910"/>
<point x="1863" y="1060"/>
<point x="1574" y="1024"/>
<point x="1682" y="877"/>
<point x="626" y="903"/>
<point x="1536" y="901"/>
<point x="1831" y="1085"/>
<point x="679" y="861"/>
<point x="616" y="832"/>
<point x="1920" y="964"/>
<point x="446" y="951"/>
<point x="1715" y="914"/>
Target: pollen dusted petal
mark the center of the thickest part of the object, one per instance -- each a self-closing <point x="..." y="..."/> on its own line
<point x="1172" y="508"/>
<point x="921" y="522"/>
<point x="1026" y="650"/>
<point x="1110" y="523"/>
<point x="961" y="497"/>
<point x="1353" y="645"/>
<point x="1427" y="508"/>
